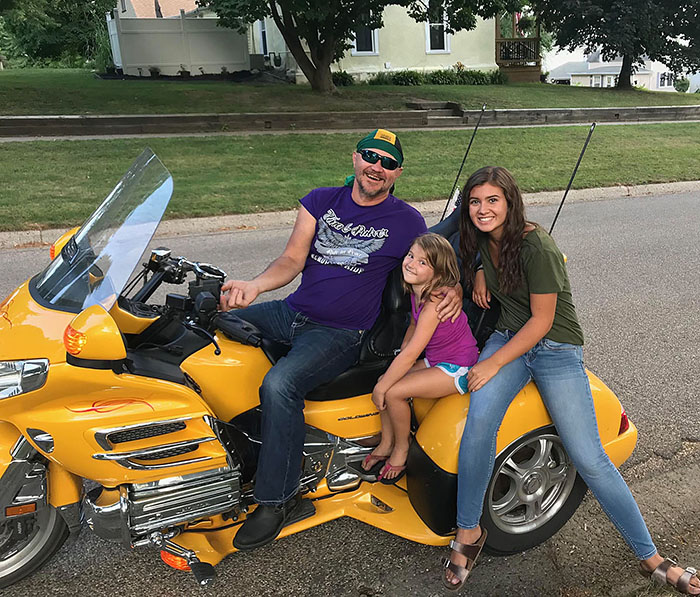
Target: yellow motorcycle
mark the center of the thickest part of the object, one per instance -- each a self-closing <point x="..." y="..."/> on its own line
<point x="149" y="399"/>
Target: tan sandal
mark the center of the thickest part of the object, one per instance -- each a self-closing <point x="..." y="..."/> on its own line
<point x="660" y="576"/>
<point x="472" y="552"/>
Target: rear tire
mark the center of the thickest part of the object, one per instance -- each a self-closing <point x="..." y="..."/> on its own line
<point x="20" y="556"/>
<point x="533" y="492"/>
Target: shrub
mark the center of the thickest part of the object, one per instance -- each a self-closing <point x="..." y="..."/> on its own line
<point x="408" y="78"/>
<point x="380" y="79"/>
<point x="342" y="79"/>
<point x="443" y="77"/>
<point x="681" y="85"/>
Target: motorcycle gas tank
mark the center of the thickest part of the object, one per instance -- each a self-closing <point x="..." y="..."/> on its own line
<point x="29" y="331"/>
<point x="229" y="383"/>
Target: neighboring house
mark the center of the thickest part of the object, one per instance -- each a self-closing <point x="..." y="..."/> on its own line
<point x="143" y="9"/>
<point x="694" y="83"/>
<point x="404" y="44"/>
<point x="594" y="72"/>
<point x="188" y="38"/>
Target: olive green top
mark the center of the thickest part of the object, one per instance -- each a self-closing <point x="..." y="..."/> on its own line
<point x="544" y="272"/>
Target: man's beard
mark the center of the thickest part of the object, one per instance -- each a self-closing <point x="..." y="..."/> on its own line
<point x="371" y="194"/>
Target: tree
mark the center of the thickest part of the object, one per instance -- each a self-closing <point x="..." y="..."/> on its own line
<point x="663" y="30"/>
<point x="50" y="29"/>
<point x="327" y="27"/>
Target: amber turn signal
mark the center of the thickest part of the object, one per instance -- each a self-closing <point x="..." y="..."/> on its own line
<point x="177" y="562"/>
<point x="19" y="510"/>
<point x="73" y="340"/>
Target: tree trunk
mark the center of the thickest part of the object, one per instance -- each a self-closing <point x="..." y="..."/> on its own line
<point x="624" y="79"/>
<point x="318" y="73"/>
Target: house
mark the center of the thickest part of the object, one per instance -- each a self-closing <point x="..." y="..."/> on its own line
<point x="595" y="72"/>
<point x="145" y="9"/>
<point x="168" y="37"/>
<point x="404" y="44"/>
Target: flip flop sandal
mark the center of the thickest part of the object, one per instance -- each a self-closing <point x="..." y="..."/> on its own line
<point x="372" y="460"/>
<point x="660" y="576"/>
<point x="472" y="552"/>
<point x="388" y="467"/>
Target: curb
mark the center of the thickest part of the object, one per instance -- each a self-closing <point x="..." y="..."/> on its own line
<point x="241" y="123"/>
<point x="24" y="239"/>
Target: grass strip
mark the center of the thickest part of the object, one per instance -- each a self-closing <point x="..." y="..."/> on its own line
<point x="66" y="91"/>
<point x="48" y="184"/>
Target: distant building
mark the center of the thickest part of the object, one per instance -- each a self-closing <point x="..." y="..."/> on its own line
<point x="595" y="72"/>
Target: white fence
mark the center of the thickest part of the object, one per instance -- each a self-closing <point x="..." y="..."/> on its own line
<point x="184" y="43"/>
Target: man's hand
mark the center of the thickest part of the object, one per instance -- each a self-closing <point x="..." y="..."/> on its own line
<point x="379" y="399"/>
<point x="481" y="373"/>
<point x="481" y="295"/>
<point x="451" y="304"/>
<point x="236" y="294"/>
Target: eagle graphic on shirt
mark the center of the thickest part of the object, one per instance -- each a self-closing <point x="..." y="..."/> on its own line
<point x="350" y="251"/>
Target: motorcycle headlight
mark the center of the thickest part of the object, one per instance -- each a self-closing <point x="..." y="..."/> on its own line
<point x="18" y="377"/>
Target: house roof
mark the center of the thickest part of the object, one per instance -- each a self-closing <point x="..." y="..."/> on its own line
<point x="565" y="71"/>
<point x="169" y="8"/>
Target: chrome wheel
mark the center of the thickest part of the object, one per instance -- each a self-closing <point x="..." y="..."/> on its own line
<point x="533" y="480"/>
<point x="27" y="542"/>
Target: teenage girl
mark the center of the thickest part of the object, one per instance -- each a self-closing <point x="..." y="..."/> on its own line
<point x="450" y="349"/>
<point x="537" y="337"/>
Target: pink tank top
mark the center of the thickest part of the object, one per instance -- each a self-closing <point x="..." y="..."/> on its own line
<point x="451" y="343"/>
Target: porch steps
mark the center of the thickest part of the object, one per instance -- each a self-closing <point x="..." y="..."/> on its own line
<point x="440" y="114"/>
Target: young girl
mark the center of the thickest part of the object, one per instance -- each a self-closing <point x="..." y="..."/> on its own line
<point x="450" y="350"/>
<point x="538" y="337"/>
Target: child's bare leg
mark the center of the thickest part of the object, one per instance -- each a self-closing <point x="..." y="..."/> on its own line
<point x="386" y="444"/>
<point x="422" y="383"/>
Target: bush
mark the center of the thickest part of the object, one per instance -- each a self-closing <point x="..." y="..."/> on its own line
<point x="342" y="79"/>
<point x="443" y="77"/>
<point x="681" y="85"/>
<point x="380" y="79"/>
<point x="407" y="78"/>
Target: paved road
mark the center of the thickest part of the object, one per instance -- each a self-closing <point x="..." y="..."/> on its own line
<point x="634" y="266"/>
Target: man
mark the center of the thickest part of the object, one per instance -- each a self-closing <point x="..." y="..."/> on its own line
<point x="345" y="242"/>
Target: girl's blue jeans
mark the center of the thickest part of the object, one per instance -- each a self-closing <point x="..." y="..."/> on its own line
<point x="558" y="372"/>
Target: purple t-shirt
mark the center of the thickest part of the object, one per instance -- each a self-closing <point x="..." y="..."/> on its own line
<point x="451" y="342"/>
<point x="354" y="249"/>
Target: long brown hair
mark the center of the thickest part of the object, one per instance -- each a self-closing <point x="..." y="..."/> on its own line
<point x="441" y="257"/>
<point x="510" y="274"/>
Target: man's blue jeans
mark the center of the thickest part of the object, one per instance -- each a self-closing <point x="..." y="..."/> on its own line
<point x="318" y="354"/>
<point x="558" y="372"/>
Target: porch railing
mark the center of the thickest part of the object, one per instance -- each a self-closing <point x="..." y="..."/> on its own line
<point x="522" y="51"/>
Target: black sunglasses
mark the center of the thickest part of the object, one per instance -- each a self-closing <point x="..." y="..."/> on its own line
<point x="372" y="157"/>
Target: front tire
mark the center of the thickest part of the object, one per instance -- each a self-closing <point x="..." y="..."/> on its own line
<point x="28" y="542"/>
<point x="533" y="492"/>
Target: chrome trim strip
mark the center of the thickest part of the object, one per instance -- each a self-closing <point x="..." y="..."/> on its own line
<point x="103" y="442"/>
<point x="125" y="458"/>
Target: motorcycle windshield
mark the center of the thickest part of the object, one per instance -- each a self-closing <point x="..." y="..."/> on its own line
<point x="95" y="265"/>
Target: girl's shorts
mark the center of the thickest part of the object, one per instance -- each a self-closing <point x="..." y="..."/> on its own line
<point x="457" y="372"/>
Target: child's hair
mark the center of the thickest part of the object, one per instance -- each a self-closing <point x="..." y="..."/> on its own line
<point x="509" y="267"/>
<point x="441" y="257"/>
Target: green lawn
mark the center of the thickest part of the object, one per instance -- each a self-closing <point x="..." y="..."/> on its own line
<point x="47" y="91"/>
<point x="58" y="183"/>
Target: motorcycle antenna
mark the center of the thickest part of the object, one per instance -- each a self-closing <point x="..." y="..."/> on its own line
<point x="464" y="159"/>
<point x="573" y="174"/>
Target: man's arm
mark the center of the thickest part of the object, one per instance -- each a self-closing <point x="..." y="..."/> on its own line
<point x="280" y="272"/>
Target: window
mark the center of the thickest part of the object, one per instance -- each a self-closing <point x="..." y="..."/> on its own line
<point x="123" y="3"/>
<point x="365" y="42"/>
<point x="610" y="80"/>
<point x="263" y="37"/>
<point x="436" y="39"/>
<point x="666" y="79"/>
<point x="595" y="80"/>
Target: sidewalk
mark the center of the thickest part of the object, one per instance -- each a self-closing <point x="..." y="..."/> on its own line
<point x="285" y="219"/>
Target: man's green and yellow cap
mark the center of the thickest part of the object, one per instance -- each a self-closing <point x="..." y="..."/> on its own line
<point x="384" y="140"/>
